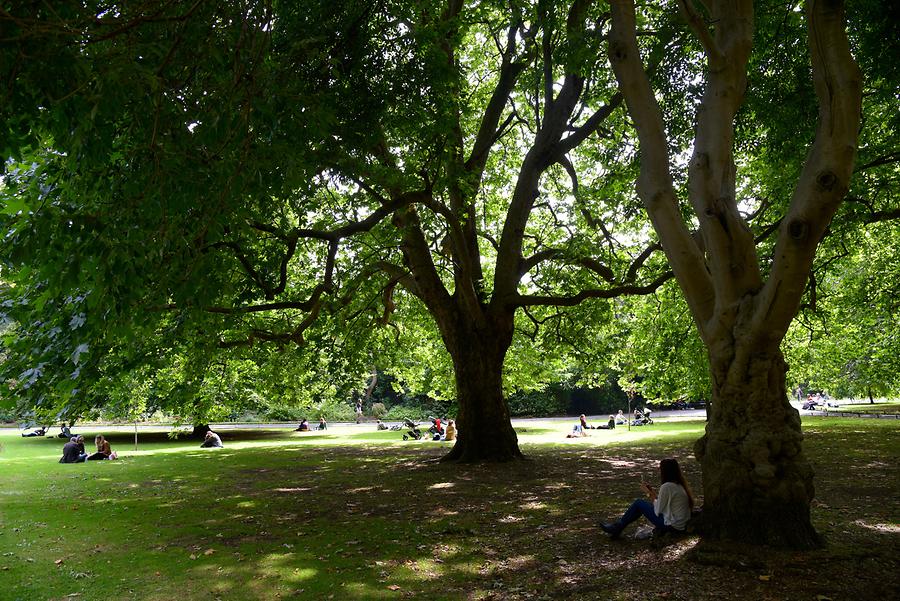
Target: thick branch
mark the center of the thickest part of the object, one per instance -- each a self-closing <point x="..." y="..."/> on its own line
<point x="701" y="30"/>
<point x="488" y="129"/>
<point x="589" y="126"/>
<point x="655" y="186"/>
<point x="829" y="165"/>
<point x="569" y="301"/>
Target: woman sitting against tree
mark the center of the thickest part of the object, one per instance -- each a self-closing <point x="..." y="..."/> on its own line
<point x="668" y="510"/>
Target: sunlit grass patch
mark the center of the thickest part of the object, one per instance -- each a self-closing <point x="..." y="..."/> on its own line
<point x="355" y="514"/>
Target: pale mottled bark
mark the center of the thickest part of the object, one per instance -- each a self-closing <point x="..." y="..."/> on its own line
<point x="757" y="483"/>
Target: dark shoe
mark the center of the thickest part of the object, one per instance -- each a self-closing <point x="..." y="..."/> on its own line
<point x="613" y="530"/>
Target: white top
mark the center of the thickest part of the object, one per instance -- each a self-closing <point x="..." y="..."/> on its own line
<point x="672" y="503"/>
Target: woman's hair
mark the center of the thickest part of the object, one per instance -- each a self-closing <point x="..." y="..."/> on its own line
<point x="98" y="440"/>
<point x="670" y="471"/>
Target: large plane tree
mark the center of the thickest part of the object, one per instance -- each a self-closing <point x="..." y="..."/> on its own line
<point x="757" y="483"/>
<point x="240" y="174"/>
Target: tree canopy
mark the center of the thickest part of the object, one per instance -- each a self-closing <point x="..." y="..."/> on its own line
<point x="302" y="191"/>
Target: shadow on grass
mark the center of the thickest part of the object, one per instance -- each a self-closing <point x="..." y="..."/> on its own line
<point x="282" y="521"/>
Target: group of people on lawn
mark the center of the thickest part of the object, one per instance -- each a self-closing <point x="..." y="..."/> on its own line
<point x="668" y="509"/>
<point x="74" y="451"/>
<point x="304" y="425"/>
<point x="640" y="418"/>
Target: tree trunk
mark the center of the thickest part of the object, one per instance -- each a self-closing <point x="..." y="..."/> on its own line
<point x="200" y="430"/>
<point x="483" y="425"/>
<point x="757" y="482"/>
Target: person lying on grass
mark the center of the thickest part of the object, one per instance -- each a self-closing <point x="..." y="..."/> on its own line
<point x="668" y="510"/>
<point x="212" y="440"/>
<point x="39" y="432"/>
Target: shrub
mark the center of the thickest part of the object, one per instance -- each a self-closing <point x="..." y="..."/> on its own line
<point x="538" y="403"/>
<point x="378" y="410"/>
<point x="7" y="415"/>
<point x="401" y="412"/>
<point x="333" y="411"/>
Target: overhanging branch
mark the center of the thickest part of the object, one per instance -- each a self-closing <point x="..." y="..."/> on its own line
<point x="576" y="299"/>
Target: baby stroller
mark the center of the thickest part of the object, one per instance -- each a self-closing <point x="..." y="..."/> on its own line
<point x="437" y="428"/>
<point x="413" y="432"/>
<point x="641" y="418"/>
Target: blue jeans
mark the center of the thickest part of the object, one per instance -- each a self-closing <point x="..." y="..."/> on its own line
<point x="642" y="507"/>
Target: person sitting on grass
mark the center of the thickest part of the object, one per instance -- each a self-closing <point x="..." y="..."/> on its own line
<point x="380" y="425"/>
<point x="668" y="510"/>
<point x="610" y="425"/>
<point x="103" y="449"/>
<point x="65" y="432"/>
<point x="39" y="432"/>
<point x="578" y="431"/>
<point x="212" y="440"/>
<point x="621" y="420"/>
<point x="73" y="452"/>
<point x="323" y="425"/>
<point x="451" y="430"/>
<point x="304" y="426"/>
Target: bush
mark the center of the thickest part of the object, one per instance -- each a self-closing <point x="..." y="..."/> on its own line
<point x="333" y="411"/>
<point x="7" y="415"/>
<point x="400" y="412"/>
<point x="378" y="410"/>
<point x="286" y="413"/>
<point x="538" y="403"/>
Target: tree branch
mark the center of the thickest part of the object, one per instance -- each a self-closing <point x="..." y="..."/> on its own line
<point x="570" y="301"/>
<point x="655" y="186"/>
<point x="826" y="173"/>
<point x="698" y="25"/>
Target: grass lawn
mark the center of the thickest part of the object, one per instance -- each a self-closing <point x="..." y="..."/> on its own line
<point x="886" y="407"/>
<point x="358" y="514"/>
